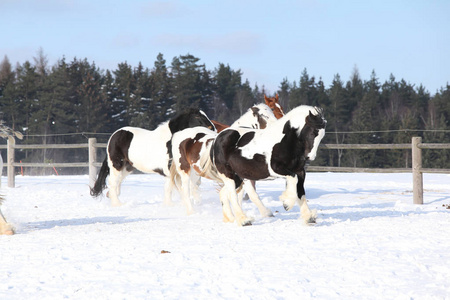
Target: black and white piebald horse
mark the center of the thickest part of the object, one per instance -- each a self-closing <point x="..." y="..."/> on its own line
<point x="148" y="151"/>
<point x="281" y="150"/>
<point x="191" y="155"/>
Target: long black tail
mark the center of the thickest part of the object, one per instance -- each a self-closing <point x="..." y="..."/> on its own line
<point x="100" y="183"/>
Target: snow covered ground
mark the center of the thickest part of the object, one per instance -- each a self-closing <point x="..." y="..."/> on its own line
<point x="369" y="242"/>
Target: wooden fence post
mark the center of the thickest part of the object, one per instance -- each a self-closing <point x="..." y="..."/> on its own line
<point x="417" y="171"/>
<point x="10" y="159"/>
<point x="92" y="160"/>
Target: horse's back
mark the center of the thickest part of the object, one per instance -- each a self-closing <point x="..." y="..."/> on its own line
<point x="146" y="149"/>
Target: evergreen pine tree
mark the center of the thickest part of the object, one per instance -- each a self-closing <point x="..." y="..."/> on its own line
<point x="161" y="106"/>
<point x="186" y="74"/>
<point x="284" y="91"/>
<point x="123" y="106"/>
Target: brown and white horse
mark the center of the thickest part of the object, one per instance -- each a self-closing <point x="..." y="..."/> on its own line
<point x="191" y="155"/>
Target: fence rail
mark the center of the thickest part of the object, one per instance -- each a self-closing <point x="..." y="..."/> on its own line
<point x="416" y="148"/>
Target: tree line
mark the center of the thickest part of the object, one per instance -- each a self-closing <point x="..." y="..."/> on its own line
<point x="75" y="99"/>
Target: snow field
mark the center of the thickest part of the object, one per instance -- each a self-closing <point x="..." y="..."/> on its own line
<point x="369" y="242"/>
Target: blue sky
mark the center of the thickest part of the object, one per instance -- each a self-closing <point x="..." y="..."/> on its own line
<point x="267" y="40"/>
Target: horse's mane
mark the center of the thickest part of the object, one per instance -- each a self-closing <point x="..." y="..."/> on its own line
<point x="189" y="110"/>
<point x="316" y="120"/>
<point x="174" y="125"/>
<point x="304" y="114"/>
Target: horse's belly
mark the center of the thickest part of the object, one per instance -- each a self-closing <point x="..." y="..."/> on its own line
<point x="254" y="169"/>
<point x="150" y="159"/>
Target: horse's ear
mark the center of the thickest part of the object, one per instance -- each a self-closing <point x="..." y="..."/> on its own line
<point x="266" y="99"/>
<point x="276" y="98"/>
<point x="309" y="119"/>
<point x="287" y="127"/>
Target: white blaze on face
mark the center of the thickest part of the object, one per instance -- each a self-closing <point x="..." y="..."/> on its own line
<point x="317" y="139"/>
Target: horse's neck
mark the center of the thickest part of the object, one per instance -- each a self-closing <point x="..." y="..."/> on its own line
<point x="219" y="126"/>
<point x="246" y="120"/>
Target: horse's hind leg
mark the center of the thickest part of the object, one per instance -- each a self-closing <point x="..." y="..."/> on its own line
<point x="249" y="188"/>
<point x="194" y="182"/>
<point x="114" y="182"/>
<point x="185" y="192"/>
<point x="228" y="216"/>
<point x="168" y="187"/>
<point x="239" y="214"/>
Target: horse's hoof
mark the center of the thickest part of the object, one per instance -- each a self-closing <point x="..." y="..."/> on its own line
<point x="287" y="207"/>
<point x="7" y="231"/>
<point x="227" y="219"/>
<point x="268" y="214"/>
<point x="245" y="221"/>
<point x="310" y="221"/>
<point x="288" y="203"/>
<point x="116" y="204"/>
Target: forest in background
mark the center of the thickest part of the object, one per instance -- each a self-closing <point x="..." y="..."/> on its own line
<point x="75" y="99"/>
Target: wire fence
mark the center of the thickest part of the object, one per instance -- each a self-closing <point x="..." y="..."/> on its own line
<point x="87" y="134"/>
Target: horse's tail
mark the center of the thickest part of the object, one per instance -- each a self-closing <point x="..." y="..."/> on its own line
<point x="209" y="169"/>
<point x="100" y="183"/>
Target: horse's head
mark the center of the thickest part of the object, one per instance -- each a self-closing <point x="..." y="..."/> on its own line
<point x="276" y="108"/>
<point x="309" y="124"/>
<point x="313" y="132"/>
<point x="190" y="118"/>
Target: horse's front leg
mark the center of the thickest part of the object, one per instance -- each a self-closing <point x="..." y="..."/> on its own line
<point x="289" y="196"/>
<point x="306" y="214"/>
<point x="309" y="216"/>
